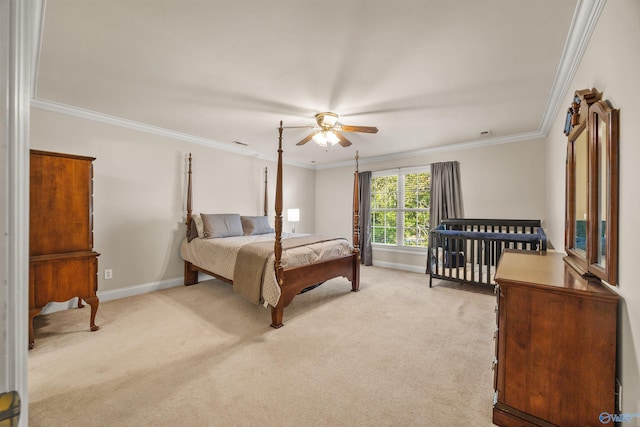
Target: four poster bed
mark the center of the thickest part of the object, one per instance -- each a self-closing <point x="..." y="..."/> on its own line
<point x="264" y="265"/>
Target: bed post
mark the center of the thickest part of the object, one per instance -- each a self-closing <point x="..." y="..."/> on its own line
<point x="355" y="283"/>
<point x="266" y="194"/>
<point x="190" y="275"/>
<point x="189" y="218"/>
<point x="277" y="312"/>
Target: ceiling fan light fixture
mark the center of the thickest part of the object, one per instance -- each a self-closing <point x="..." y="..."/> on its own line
<point x="328" y="132"/>
<point x="326" y="120"/>
<point x="326" y="138"/>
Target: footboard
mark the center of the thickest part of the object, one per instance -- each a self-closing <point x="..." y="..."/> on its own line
<point x="296" y="279"/>
<point x="468" y="250"/>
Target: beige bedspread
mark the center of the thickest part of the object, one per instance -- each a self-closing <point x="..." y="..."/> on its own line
<point x="251" y="262"/>
<point x="220" y="256"/>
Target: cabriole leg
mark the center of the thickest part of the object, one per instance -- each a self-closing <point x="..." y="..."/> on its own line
<point x="32" y="313"/>
<point x="93" y="302"/>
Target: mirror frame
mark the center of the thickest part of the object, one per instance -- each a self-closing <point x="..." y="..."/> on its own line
<point x="608" y="146"/>
<point x="578" y="258"/>
<point x="575" y="126"/>
<point x="583" y="116"/>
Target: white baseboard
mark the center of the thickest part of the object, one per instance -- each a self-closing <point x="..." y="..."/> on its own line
<point x="404" y="267"/>
<point x="139" y="289"/>
<point x="115" y="294"/>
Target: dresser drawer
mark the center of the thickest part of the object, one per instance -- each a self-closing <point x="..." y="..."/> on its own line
<point x="60" y="280"/>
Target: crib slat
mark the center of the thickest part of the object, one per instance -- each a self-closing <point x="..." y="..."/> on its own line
<point x="488" y="263"/>
<point x="472" y="260"/>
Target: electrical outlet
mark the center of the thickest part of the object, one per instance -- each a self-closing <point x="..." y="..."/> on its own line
<point x="108" y="274"/>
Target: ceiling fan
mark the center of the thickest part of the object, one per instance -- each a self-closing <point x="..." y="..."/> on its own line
<point x="328" y="131"/>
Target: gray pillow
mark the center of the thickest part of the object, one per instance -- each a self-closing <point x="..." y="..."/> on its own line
<point x="252" y="225"/>
<point x="221" y="225"/>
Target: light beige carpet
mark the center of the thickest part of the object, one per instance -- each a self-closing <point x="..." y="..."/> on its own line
<point x="397" y="353"/>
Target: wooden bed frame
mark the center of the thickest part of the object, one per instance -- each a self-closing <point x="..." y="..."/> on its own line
<point x="294" y="280"/>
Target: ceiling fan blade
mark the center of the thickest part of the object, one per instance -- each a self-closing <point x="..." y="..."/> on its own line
<point x="365" y="129"/>
<point x="343" y="141"/>
<point x="308" y="138"/>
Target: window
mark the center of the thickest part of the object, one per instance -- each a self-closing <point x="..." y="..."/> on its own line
<point x="400" y="207"/>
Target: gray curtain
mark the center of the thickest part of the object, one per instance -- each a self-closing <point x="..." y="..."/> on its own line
<point x="365" y="218"/>
<point x="446" y="195"/>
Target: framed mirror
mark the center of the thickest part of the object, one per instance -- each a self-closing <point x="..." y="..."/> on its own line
<point x="576" y="210"/>
<point x="591" y="213"/>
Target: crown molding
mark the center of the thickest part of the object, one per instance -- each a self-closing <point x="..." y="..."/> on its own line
<point x="583" y="23"/>
<point x="83" y="113"/>
<point x="528" y="136"/>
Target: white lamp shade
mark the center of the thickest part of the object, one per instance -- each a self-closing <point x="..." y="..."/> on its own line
<point x="320" y="139"/>
<point x="332" y="138"/>
<point x="325" y="138"/>
<point x="293" y="215"/>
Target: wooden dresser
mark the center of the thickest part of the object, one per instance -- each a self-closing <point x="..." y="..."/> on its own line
<point x="62" y="262"/>
<point x="555" y="344"/>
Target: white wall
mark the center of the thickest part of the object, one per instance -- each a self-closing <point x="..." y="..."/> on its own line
<point x="610" y="64"/>
<point x="498" y="181"/>
<point x="140" y="193"/>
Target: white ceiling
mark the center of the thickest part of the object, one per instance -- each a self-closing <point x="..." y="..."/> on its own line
<point x="426" y="73"/>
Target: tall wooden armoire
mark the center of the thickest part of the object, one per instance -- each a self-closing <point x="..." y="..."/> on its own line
<point x="62" y="262"/>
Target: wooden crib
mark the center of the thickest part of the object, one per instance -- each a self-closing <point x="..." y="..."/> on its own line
<point x="468" y="250"/>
